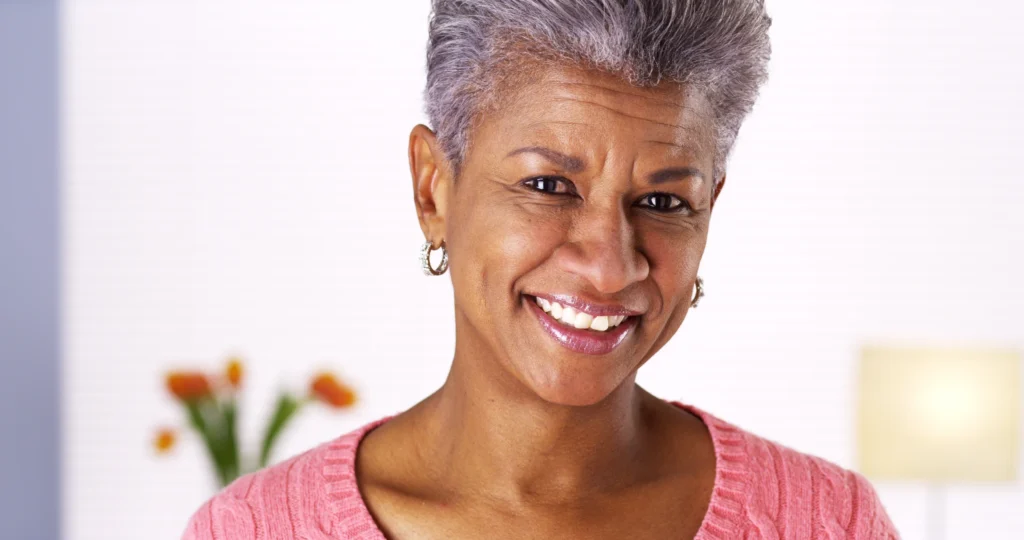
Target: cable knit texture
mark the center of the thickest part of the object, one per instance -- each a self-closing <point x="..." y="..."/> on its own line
<point x="762" y="491"/>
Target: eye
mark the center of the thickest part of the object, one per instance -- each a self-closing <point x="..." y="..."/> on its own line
<point x="663" y="202"/>
<point x="550" y="184"/>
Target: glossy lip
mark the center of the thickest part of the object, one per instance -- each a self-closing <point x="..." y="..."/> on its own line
<point x="580" y="340"/>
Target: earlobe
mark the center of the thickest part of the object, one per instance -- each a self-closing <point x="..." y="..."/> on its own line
<point x="428" y="168"/>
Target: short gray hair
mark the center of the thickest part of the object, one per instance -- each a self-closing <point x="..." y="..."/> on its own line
<point x="720" y="47"/>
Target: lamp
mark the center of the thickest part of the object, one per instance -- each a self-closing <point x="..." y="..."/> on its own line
<point x="939" y="416"/>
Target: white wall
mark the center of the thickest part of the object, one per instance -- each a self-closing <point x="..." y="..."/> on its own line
<point x="236" y="182"/>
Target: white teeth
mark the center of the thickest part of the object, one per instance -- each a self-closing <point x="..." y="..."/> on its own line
<point x="544" y="304"/>
<point x="583" y="320"/>
<point x="578" y="319"/>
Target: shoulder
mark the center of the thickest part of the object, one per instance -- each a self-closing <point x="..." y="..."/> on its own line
<point x="244" y="508"/>
<point x="797" y="494"/>
<point x="814" y="490"/>
<point x="301" y="495"/>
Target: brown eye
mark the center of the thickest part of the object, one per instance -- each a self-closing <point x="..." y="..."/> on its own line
<point x="549" y="184"/>
<point x="662" y="202"/>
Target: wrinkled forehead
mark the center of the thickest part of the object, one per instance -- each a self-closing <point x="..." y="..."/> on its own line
<point x="544" y="97"/>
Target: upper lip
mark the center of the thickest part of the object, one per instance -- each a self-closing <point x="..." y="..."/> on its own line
<point x="593" y="308"/>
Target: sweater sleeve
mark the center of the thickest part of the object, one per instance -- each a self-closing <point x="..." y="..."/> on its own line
<point x="227" y="516"/>
<point x="869" y="519"/>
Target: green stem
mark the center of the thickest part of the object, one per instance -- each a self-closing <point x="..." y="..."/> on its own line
<point x="285" y="409"/>
<point x="230" y="435"/>
<point x="201" y="425"/>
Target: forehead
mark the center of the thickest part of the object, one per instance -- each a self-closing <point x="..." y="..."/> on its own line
<point x="590" y="105"/>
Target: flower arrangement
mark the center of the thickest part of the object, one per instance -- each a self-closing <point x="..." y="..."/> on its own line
<point x="211" y="407"/>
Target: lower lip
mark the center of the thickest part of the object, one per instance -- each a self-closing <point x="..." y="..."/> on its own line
<point x="580" y="340"/>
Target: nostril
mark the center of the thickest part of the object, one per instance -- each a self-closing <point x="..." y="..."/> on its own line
<point x="609" y="267"/>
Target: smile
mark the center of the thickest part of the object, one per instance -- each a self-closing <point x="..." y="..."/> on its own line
<point x="572" y="318"/>
<point x="597" y="330"/>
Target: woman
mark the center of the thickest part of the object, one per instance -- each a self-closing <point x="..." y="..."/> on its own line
<point x="578" y="151"/>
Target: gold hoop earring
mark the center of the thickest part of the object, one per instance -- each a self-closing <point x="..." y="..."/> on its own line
<point x="425" y="259"/>
<point x="698" y="293"/>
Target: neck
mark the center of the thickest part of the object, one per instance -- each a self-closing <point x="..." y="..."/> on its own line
<point x="490" y="436"/>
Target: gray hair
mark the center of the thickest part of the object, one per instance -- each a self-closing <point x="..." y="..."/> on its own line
<point x="720" y="47"/>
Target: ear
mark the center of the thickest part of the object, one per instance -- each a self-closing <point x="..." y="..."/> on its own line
<point x="431" y="182"/>
<point x="718" y="191"/>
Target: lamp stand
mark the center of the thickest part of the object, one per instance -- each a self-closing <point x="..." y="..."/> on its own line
<point x="936" y="511"/>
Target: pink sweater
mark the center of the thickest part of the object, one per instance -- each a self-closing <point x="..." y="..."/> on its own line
<point x="762" y="490"/>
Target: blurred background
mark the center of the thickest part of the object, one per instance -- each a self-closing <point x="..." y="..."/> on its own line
<point x="183" y="181"/>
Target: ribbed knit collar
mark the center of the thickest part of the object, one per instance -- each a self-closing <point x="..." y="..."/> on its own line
<point x="352" y="520"/>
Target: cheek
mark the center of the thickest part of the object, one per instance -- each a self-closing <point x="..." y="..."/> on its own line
<point x="494" y="244"/>
<point x="674" y="259"/>
<point x="674" y="263"/>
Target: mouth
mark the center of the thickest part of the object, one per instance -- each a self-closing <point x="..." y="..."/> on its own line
<point x="593" y="330"/>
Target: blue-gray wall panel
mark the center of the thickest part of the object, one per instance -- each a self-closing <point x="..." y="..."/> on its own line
<point x="29" y="271"/>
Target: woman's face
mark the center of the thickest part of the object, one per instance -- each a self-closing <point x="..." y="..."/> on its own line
<point x="580" y="194"/>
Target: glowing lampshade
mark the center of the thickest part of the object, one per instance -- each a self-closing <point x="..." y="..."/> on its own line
<point x="939" y="415"/>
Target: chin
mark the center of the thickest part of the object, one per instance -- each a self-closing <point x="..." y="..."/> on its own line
<point x="574" y="388"/>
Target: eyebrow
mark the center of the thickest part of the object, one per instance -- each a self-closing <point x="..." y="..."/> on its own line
<point x="675" y="173"/>
<point x="573" y="164"/>
<point x="568" y="163"/>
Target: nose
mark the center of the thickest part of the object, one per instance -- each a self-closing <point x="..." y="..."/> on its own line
<point x="602" y="248"/>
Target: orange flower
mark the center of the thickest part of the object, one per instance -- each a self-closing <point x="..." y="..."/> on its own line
<point x="164" y="440"/>
<point x="188" y="385"/>
<point x="326" y="388"/>
<point x="234" y="372"/>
